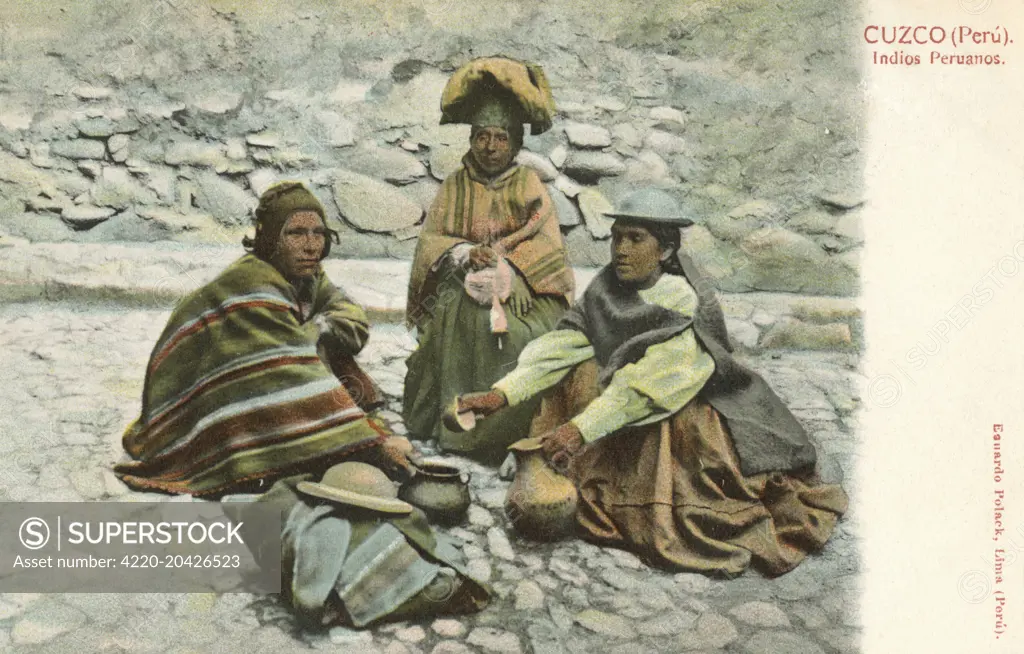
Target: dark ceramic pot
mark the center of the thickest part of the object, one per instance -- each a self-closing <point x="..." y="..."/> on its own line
<point x="441" y="491"/>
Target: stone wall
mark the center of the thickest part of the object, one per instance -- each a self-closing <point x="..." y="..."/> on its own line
<point x="163" y="120"/>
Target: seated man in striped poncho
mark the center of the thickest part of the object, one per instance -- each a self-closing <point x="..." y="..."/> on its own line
<point x="253" y="378"/>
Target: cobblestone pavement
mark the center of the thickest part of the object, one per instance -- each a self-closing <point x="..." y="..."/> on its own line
<point x="72" y="380"/>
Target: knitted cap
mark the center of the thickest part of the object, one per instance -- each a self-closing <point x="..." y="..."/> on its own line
<point x="276" y="205"/>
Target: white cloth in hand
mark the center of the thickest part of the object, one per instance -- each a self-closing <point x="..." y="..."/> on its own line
<point x="486" y="284"/>
<point x="492" y="286"/>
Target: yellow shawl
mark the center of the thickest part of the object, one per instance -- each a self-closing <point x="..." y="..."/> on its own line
<point x="512" y="213"/>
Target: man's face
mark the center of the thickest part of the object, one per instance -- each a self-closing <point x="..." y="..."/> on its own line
<point x="636" y="254"/>
<point x="491" y="149"/>
<point x="301" y="243"/>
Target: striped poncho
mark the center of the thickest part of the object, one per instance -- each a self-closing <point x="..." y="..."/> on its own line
<point x="235" y="390"/>
<point x="512" y="213"/>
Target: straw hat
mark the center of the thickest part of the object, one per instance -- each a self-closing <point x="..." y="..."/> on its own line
<point x="357" y="484"/>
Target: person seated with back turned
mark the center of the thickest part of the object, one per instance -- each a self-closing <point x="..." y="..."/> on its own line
<point x="678" y="452"/>
<point x="354" y="554"/>
<point x="253" y="377"/>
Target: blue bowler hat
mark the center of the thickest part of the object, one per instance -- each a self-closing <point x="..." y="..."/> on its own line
<point x="653" y="206"/>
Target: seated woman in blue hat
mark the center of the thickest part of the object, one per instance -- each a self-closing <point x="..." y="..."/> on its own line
<point x="679" y="453"/>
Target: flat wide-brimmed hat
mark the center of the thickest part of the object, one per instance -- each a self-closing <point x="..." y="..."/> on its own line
<point x="653" y="206"/>
<point x="357" y="484"/>
<point x="519" y="90"/>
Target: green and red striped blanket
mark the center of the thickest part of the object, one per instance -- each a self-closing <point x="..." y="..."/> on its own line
<point x="235" y="390"/>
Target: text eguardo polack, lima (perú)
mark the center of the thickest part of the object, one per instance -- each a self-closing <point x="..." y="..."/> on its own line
<point x="999" y="508"/>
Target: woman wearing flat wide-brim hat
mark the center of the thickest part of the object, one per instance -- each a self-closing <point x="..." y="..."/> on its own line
<point x="352" y="553"/>
<point x="490" y="272"/>
<point x="679" y="453"/>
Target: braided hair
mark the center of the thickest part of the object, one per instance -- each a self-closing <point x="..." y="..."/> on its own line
<point x="668" y="238"/>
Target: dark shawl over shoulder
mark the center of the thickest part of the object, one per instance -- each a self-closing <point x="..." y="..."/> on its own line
<point x="621" y="326"/>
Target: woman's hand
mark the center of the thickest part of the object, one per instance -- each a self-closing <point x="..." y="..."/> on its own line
<point x="520" y="299"/>
<point x="482" y="403"/>
<point x="481" y="257"/>
<point x="395" y="455"/>
<point x="562" y="444"/>
<point x="460" y="416"/>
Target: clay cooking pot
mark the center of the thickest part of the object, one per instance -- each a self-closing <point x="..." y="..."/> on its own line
<point x="440" y="490"/>
<point x="541" y="503"/>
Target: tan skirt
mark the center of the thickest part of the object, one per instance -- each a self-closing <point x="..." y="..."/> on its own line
<point x="672" y="492"/>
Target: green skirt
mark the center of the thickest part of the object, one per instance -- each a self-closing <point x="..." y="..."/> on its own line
<point x="458" y="354"/>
